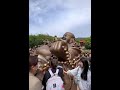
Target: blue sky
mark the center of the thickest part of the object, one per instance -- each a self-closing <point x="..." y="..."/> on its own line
<point x="55" y="17"/>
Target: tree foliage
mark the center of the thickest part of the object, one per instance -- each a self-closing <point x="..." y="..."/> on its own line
<point x="39" y="39"/>
<point x="87" y="42"/>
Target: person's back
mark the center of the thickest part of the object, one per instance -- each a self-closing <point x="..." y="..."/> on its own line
<point x="55" y="82"/>
<point x="54" y="64"/>
<point x="34" y="82"/>
<point x="84" y="84"/>
<point x="81" y="74"/>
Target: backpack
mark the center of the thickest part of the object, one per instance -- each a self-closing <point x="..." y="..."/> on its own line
<point x="54" y="82"/>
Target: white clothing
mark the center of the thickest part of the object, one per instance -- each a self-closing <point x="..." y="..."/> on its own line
<point x="83" y="85"/>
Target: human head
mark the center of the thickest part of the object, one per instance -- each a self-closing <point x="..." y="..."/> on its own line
<point x="33" y="62"/>
<point x="53" y="61"/>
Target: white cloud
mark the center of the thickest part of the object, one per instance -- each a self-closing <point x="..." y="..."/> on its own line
<point x="75" y="13"/>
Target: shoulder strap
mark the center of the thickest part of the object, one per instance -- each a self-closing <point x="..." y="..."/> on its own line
<point x="57" y="71"/>
<point x="59" y="66"/>
<point x="51" y="73"/>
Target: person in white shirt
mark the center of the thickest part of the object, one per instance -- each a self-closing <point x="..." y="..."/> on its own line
<point x="81" y="74"/>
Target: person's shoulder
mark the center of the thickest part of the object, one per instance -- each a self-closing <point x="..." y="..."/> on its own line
<point x="37" y="84"/>
<point x="89" y="72"/>
<point x="81" y="69"/>
<point x="59" y="66"/>
<point x="34" y="78"/>
<point x="60" y="69"/>
<point x="46" y="73"/>
<point x="60" y="73"/>
<point x="33" y="81"/>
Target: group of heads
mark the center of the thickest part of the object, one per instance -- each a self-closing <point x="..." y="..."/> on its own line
<point x="33" y="63"/>
<point x="69" y="38"/>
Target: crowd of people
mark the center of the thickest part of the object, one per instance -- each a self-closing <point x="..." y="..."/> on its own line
<point x="53" y="78"/>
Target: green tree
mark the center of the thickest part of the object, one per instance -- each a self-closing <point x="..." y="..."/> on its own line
<point x="39" y="39"/>
<point x="88" y="43"/>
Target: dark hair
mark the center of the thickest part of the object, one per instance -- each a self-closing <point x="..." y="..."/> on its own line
<point x="90" y="59"/>
<point x="85" y="68"/>
<point x="54" y="61"/>
<point x="33" y="60"/>
<point x="90" y="63"/>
